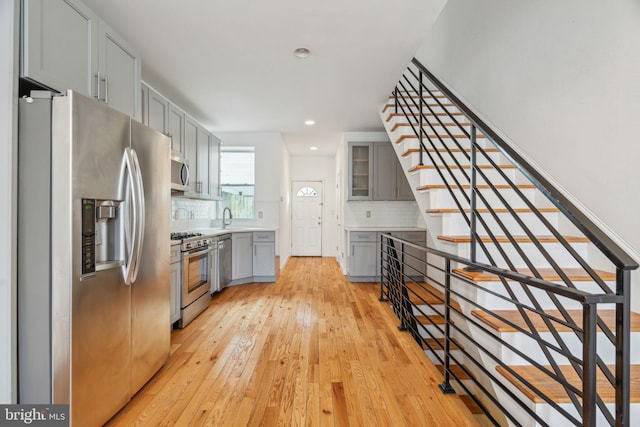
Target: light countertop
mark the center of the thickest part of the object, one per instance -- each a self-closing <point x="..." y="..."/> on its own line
<point x="389" y="229"/>
<point x="219" y="231"/>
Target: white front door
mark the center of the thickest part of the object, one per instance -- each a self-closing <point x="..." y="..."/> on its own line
<point x="306" y="224"/>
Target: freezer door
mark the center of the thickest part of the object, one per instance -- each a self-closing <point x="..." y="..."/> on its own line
<point x="88" y="142"/>
<point x="150" y="305"/>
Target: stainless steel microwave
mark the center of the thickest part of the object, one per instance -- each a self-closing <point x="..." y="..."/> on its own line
<point x="179" y="173"/>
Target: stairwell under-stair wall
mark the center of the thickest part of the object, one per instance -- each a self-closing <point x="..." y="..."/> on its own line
<point x="559" y="82"/>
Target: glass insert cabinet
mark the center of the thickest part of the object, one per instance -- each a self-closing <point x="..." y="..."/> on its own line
<point x="360" y="171"/>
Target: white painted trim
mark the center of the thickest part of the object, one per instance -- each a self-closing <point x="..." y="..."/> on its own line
<point x="9" y="38"/>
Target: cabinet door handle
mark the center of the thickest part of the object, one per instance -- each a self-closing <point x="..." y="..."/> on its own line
<point x="97" y="77"/>
<point x="106" y="90"/>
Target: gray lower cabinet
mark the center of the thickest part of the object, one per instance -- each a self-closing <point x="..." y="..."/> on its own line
<point x="176" y="284"/>
<point x="264" y="256"/>
<point x="241" y="256"/>
<point x="66" y="46"/>
<point x="363" y="253"/>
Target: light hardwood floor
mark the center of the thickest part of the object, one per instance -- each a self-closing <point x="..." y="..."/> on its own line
<point x="311" y="349"/>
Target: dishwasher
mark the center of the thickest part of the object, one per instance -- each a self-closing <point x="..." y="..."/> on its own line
<point x="224" y="261"/>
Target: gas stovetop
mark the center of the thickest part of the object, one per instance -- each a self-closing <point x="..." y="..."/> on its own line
<point x="184" y="235"/>
<point x="191" y="240"/>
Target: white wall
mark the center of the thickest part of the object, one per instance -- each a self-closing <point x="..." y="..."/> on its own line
<point x="321" y="168"/>
<point x="285" y="207"/>
<point x="561" y="80"/>
<point x="8" y="126"/>
<point x="268" y="146"/>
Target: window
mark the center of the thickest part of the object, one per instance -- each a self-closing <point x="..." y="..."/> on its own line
<point x="237" y="181"/>
<point x="307" y="192"/>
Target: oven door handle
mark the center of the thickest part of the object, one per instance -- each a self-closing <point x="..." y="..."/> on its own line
<point x="197" y="252"/>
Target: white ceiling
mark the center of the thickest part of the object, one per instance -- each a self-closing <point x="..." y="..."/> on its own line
<point x="231" y="64"/>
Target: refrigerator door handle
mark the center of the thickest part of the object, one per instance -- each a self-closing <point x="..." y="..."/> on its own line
<point x="141" y="215"/>
<point x="130" y="226"/>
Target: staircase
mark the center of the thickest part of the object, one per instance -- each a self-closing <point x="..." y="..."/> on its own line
<point x="525" y="302"/>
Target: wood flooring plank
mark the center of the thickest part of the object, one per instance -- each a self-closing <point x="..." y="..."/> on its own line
<point x="311" y="349"/>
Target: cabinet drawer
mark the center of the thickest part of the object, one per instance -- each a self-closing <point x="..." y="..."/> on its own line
<point x="414" y="236"/>
<point x="175" y="254"/>
<point x="264" y="236"/>
<point x="363" y="236"/>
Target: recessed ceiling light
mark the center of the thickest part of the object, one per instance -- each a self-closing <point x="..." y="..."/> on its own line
<point x="309" y="122"/>
<point x="302" y="52"/>
<point x="313" y="148"/>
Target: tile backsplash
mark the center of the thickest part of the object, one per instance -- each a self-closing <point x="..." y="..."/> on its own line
<point x="382" y="214"/>
<point x="190" y="213"/>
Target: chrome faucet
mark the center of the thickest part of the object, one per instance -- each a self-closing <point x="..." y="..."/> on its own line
<point x="224" y="217"/>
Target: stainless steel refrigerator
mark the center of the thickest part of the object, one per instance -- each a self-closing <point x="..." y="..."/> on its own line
<point x="93" y="255"/>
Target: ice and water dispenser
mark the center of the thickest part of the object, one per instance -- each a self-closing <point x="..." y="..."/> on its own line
<point x="101" y="231"/>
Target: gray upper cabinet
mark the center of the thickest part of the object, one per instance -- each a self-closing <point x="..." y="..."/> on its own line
<point x="390" y="181"/>
<point x="119" y="72"/>
<point x="189" y="139"/>
<point x="204" y="158"/>
<point x="155" y="110"/>
<point x="384" y="186"/>
<point x="202" y="151"/>
<point x="191" y="153"/>
<point x="176" y="130"/>
<point x="214" y="168"/>
<point x="360" y="171"/>
<point x="59" y="45"/>
<point x="375" y="173"/>
<point x="66" y="46"/>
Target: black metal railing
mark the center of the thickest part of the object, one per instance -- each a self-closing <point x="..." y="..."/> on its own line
<point x="530" y="229"/>
<point x="467" y="338"/>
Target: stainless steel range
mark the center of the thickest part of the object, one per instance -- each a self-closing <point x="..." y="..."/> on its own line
<point x="197" y="276"/>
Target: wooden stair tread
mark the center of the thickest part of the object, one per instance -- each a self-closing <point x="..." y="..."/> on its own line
<point x="411" y="106"/>
<point x="437" y="344"/>
<point x="548" y="274"/>
<point x="556" y="392"/>
<point x="418" y="167"/>
<point x="423" y="293"/>
<point x="397" y="125"/>
<point x="391" y="116"/>
<point x="470" y="404"/>
<point x="608" y="316"/>
<point x="481" y="186"/>
<point x="425" y="95"/>
<point x="456" y="371"/>
<point x="435" y="319"/>
<point x="519" y="239"/>
<point x="443" y="136"/>
<point x="497" y="210"/>
<point x="444" y="150"/>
